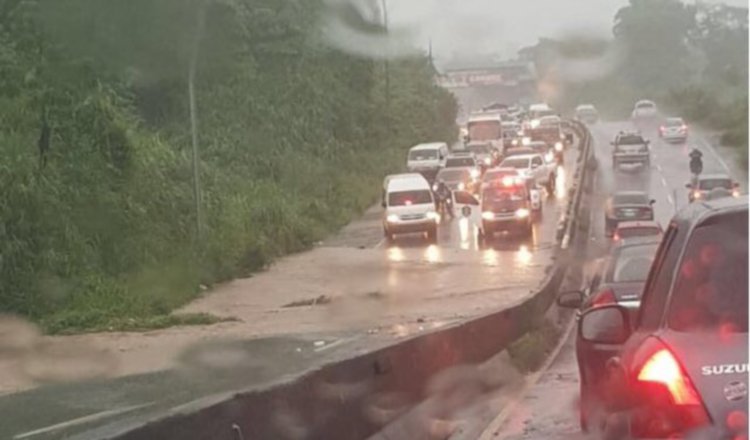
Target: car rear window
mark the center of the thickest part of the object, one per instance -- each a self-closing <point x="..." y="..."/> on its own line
<point x="406" y="198"/>
<point x="638" y="231"/>
<point x="709" y="184"/>
<point x="674" y="122"/>
<point x="479" y="149"/>
<point x="423" y="154"/>
<point x="516" y="163"/>
<point x="453" y="175"/>
<point x="632" y="263"/>
<point x="630" y="199"/>
<point x="711" y="291"/>
<point x="460" y="162"/>
<point x="645" y="105"/>
<point x="630" y="140"/>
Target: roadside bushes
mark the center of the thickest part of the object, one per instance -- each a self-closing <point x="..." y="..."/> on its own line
<point x="98" y="227"/>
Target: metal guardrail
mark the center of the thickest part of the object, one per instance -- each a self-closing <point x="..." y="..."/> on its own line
<point x="568" y="225"/>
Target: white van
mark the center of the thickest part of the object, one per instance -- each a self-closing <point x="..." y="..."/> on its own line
<point x="409" y="206"/>
<point x="427" y="159"/>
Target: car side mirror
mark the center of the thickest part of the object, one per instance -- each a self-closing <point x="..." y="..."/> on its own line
<point x="735" y="185"/>
<point x="689" y="185"/>
<point x="652" y="201"/>
<point x="609" y="324"/>
<point x="570" y="300"/>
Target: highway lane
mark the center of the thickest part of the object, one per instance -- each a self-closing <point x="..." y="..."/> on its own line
<point x="388" y="293"/>
<point x="549" y="410"/>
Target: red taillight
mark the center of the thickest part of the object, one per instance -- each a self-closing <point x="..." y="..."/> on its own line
<point x="616" y="237"/>
<point x="663" y="368"/>
<point x="669" y="402"/>
<point x="604" y="297"/>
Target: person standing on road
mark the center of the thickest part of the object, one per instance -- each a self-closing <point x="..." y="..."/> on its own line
<point x="696" y="163"/>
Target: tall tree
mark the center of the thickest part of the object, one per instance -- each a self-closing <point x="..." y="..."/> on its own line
<point x="654" y="37"/>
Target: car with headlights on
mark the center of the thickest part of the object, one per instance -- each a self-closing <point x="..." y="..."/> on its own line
<point x="679" y="367"/>
<point x="535" y="168"/>
<point x="508" y="205"/>
<point x="620" y="281"/>
<point x="408" y="207"/>
<point x="484" y="153"/>
<point x="627" y="206"/>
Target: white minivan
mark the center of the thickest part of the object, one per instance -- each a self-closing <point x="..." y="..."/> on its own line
<point x="427" y="159"/>
<point x="409" y="206"/>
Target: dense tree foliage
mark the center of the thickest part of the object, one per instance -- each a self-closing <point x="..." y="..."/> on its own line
<point x="97" y="207"/>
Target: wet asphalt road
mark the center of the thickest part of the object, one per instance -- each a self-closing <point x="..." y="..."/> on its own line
<point x="93" y="409"/>
<point x="549" y="410"/>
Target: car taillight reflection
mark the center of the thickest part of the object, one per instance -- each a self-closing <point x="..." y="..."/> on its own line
<point x="604" y="297"/>
<point x="671" y="405"/>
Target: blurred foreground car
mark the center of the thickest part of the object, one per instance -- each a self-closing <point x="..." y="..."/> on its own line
<point x="706" y="183"/>
<point x="627" y="206"/>
<point x="682" y="371"/>
<point x="620" y="281"/>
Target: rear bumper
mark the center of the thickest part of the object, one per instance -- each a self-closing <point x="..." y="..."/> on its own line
<point x="674" y="136"/>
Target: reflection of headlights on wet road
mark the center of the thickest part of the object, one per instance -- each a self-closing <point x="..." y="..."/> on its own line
<point x="432" y="254"/>
<point x="487" y="215"/>
<point x="524" y="256"/>
<point x="558" y="146"/>
<point x="432" y="215"/>
<point x="392" y="218"/>
<point x="522" y="213"/>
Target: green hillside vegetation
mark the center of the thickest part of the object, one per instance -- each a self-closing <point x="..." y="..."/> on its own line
<point x="98" y="216"/>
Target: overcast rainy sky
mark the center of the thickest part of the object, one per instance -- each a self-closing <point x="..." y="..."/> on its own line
<point x="502" y="26"/>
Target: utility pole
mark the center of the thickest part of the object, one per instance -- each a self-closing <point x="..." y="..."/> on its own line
<point x="384" y="6"/>
<point x="192" y="68"/>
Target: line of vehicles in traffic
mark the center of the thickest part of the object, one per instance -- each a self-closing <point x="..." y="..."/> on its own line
<point x="661" y="340"/>
<point x="496" y="174"/>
